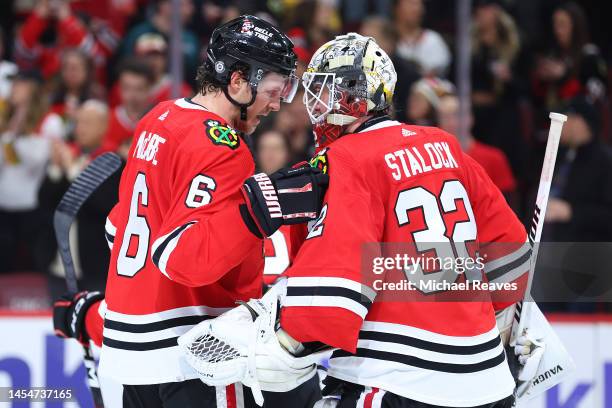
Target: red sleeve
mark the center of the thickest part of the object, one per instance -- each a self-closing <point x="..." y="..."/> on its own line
<point x="74" y="34"/>
<point x="31" y="30"/>
<point x="325" y="287"/>
<point x="71" y="31"/>
<point x="203" y="236"/>
<point x="94" y="323"/>
<point x="502" y="237"/>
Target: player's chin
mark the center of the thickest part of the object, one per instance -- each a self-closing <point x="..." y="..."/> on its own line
<point x="251" y="125"/>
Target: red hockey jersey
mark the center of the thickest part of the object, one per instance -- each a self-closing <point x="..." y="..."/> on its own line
<point x="280" y="249"/>
<point x="413" y="186"/>
<point x="180" y="251"/>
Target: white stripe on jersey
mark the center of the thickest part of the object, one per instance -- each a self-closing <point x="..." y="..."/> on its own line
<point x="377" y="400"/>
<point x="510" y="267"/>
<point x="429" y="336"/>
<point x="166" y="314"/>
<point x="109" y="232"/>
<point x="221" y="396"/>
<point x="361" y="401"/>
<point x="239" y="395"/>
<point x="167" y="243"/>
<point x="183" y="103"/>
<point x="102" y="309"/>
<point x="331" y="282"/>
<point x="330" y="292"/>
<point x="431" y="355"/>
<point x="327" y="301"/>
<point x="145" y="367"/>
<point x="153" y="336"/>
<point x="146" y="336"/>
<point x="427" y="367"/>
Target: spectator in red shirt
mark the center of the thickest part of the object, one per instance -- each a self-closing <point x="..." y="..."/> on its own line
<point x="31" y="51"/>
<point x="492" y="159"/>
<point x="134" y="84"/>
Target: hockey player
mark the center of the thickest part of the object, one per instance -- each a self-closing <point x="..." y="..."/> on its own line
<point x="396" y="183"/>
<point x="186" y="236"/>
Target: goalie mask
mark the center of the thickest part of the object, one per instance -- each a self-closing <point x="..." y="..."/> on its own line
<point x="347" y="78"/>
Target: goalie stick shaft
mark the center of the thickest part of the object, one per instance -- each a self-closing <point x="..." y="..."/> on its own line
<point x="537" y="222"/>
<point x="79" y="191"/>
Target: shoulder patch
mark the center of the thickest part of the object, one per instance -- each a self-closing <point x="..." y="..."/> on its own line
<point x="320" y="161"/>
<point x="221" y="134"/>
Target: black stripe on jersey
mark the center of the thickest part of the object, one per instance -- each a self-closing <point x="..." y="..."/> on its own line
<point x="504" y="269"/>
<point x="110" y="238"/>
<point x="424" y="364"/>
<point x="332" y="291"/>
<point x="144" y="346"/>
<point x="160" y="249"/>
<point x="430" y="346"/>
<point x="154" y="326"/>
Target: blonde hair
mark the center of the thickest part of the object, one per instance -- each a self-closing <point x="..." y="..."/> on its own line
<point x="37" y="108"/>
<point x="508" y="41"/>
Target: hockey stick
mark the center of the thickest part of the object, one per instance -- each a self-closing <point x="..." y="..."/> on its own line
<point x="556" y="362"/>
<point x="79" y="191"/>
<point x="537" y="222"/>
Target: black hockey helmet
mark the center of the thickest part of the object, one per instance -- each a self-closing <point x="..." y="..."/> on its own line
<point x="252" y="41"/>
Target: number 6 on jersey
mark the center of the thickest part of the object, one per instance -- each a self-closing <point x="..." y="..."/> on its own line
<point x="135" y="244"/>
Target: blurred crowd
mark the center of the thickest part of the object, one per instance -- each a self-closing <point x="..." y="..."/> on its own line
<point x="77" y="75"/>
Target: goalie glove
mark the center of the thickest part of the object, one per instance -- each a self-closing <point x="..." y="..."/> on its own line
<point x="69" y="314"/>
<point x="528" y="352"/>
<point x="289" y="196"/>
<point x="241" y="345"/>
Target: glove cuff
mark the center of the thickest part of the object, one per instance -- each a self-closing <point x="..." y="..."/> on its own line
<point x="262" y="204"/>
<point x="79" y="312"/>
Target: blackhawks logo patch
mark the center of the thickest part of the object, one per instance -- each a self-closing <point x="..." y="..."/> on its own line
<point x="221" y="134"/>
<point x="320" y="161"/>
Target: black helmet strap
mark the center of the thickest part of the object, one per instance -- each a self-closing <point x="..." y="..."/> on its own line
<point x="255" y="75"/>
<point x="243" y="106"/>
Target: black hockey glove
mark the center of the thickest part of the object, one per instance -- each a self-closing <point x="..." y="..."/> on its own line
<point x="69" y="315"/>
<point x="290" y="196"/>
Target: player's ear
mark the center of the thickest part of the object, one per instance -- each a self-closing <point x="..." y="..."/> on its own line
<point x="238" y="87"/>
<point x="237" y="81"/>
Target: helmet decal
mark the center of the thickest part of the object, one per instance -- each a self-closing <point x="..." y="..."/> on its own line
<point x="247" y="27"/>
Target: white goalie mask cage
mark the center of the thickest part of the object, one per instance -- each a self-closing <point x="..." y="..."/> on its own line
<point x="319" y="94"/>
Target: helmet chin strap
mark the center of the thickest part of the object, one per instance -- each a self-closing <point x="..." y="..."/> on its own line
<point x="243" y="106"/>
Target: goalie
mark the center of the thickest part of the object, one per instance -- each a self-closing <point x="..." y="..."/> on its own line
<point x="388" y="183"/>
